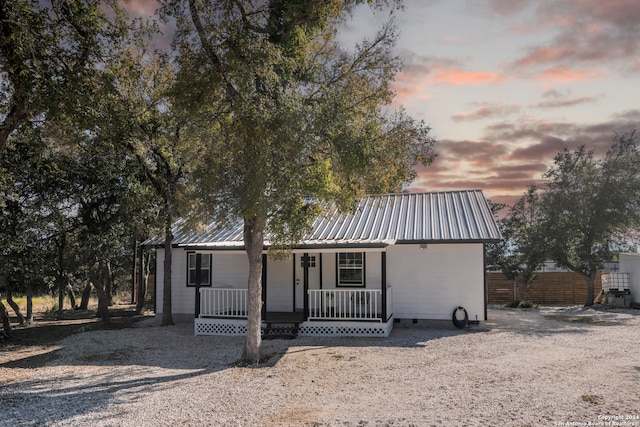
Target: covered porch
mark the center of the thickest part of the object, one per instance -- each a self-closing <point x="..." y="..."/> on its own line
<point x="325" y="312"/>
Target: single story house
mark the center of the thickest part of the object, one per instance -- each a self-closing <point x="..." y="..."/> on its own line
<point x="399" y="256"/>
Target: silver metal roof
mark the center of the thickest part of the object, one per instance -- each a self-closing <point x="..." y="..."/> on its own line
<point x="452" y="216"/>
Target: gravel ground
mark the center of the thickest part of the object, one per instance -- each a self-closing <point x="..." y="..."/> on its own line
<point x="553" y="366"/>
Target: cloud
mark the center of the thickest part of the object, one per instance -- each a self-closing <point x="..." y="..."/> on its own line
<point x="513" y="155"/>
<point x="554" y="99"/>
<point x="588" y="33"/>
<point x="428" y="70"/>
<point x="462" y="77"/>
<point x="566" y="75"/>
<point x="485" y="112"/>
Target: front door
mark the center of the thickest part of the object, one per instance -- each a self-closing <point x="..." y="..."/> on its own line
<point x="314" y="264"/>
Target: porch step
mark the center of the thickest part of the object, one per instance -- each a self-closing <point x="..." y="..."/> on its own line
<point x="280" y="330"/>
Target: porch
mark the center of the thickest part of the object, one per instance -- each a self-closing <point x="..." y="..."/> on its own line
<point x="327" y="312"/>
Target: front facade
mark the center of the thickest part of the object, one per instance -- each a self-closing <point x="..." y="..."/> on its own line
<point x="407" y="256"/>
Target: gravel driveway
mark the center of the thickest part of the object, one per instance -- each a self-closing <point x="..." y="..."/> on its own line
<point x="548" y="367"/>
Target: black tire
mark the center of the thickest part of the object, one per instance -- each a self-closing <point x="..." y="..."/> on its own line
<point x="460" y="324"/>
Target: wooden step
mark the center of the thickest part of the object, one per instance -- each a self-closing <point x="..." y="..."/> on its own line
<point x="280" y="331"/>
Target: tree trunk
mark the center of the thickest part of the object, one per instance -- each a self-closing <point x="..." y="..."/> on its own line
<point x="72" y="296"/>
<point x="253" y="243"/>
<point x="134" y="275"/>
<point x="29" y="293"/>
<point x="101" y="285"/>
<point x="145" y="261"/>
<point x="86" y="295"/>
<point x="591" y="278"/>
<point x="6" y="324"/>
<point x="60" y="281"/>
<point x="167" y="318"/>
<point x="12" y="303"/>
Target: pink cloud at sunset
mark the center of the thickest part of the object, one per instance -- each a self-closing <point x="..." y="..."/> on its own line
<point x="460" y="77"/>
<point x="566" y="75"/>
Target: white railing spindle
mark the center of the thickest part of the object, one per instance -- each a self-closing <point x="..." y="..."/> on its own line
<point x="345" y="304"/>
<point x="223" y="302"/>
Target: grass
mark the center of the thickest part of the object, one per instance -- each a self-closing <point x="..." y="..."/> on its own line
<point x="40" y="303"/>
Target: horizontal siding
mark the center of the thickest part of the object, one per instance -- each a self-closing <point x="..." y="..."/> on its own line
<point x="430" y="283"/>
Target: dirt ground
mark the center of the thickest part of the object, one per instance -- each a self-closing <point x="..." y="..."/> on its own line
<point x="30" y="347"/>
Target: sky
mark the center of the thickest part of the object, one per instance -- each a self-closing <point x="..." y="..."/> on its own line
<point x="506" y="84"/>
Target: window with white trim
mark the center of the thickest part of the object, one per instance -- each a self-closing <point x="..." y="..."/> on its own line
<point x="351" y="269"/>
<point x="205" y="269"/>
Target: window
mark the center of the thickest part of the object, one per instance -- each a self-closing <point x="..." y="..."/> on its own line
<point x="351" y="269"/>
<point x="205" y="269"/>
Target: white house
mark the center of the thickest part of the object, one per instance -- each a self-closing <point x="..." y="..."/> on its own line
<point x="403" y="256"/>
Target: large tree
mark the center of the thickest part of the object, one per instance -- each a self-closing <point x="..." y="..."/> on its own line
<point x="591" y="205"/>
<point x="523" y="248"/>
<point x="289" y="118"/>
<point x="48" y="54"/>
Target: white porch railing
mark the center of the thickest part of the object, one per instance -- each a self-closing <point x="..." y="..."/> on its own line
<point x="223" y="302"/>
<point x="345" y="304"/>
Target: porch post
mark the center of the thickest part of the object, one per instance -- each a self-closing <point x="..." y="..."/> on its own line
<point x="383" y="259"/>
<point x="264" y="287"/>
<point x="305" y="285"/>
<point x="198" y="277"/>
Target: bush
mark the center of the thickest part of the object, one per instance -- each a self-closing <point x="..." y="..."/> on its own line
<point x="522" y="304"/>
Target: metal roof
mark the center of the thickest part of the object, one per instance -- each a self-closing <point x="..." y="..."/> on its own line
<point x="452" y="216"/>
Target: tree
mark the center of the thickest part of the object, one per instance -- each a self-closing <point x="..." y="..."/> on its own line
<point x="290" y="120"/>
<point x="523" y="248"/>
<point x="591" y="204"/>
<point x="141" y="119"/>
<point x="49" y="52"/>
<point x="24" y="230"/>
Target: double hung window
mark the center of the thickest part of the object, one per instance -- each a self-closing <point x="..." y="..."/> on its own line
<point x="351" y="269"/>
<point x="205" y="269"/>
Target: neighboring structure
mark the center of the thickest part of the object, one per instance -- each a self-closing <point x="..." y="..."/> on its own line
<point x="630" y="264"/>
<point x="404" y="256"/>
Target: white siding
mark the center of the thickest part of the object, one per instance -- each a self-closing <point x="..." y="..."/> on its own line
<point x="184" y="298"/>
<point x="374" y="270"/>
<point x="159" y="280"/>
<point x="280" y="285"/>
<point x="328" y="270"/>
<point x="630" y="263"/>
<point x="430" y="283"/>
<point x="230" y="270"/>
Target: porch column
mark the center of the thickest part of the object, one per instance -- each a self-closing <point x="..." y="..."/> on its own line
<point x="198" y="277"/>
<point x="383" y="259"/>
<point x="305" y="285"/>
<point x="264" y="287"/>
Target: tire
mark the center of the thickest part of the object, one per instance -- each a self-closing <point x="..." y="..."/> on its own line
<point x="460" y="324"/>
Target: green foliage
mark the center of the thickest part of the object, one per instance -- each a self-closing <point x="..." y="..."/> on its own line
<point x="49" y="55"/>
<point x="588" y="208"/>
<point x="523" y="247"/>
<point x="592" y="204"/>
<point x="286" y="118"/>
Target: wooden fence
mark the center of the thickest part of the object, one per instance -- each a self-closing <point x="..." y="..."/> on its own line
<point x="547" y="288"/>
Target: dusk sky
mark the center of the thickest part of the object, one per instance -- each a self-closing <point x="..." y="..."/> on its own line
<point x="506" y="84"/>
